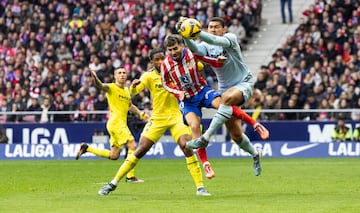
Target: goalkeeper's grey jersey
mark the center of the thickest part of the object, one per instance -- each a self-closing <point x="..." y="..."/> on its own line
<point x="234" y="70"/>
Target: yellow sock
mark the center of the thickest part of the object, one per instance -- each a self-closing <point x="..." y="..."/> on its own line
<point x="131" y="173"/>
<point x="99" y="152"/>
<point x="195" y="171"/>
<point x="128" y="164"/>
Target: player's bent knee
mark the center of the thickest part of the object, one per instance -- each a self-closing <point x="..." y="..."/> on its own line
<point x="187" y="152"/>
<point x="114" y="157"/>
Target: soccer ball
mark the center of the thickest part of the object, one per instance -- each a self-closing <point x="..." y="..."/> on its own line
<point x="190" y="28"/>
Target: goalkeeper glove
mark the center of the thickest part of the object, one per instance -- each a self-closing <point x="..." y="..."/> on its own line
<point x="178" y="24"/>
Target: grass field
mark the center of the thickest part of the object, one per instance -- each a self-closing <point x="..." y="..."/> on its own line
<point x="286" y="185"/>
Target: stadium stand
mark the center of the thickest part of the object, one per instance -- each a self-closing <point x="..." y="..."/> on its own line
<point x="48" y="47"/>
<point x="317" y="67"/>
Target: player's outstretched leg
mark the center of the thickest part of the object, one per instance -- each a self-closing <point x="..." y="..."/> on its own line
<point x="82" y="150"/>
<point x="257" y="165"/>
<point x="262" y="131"/>
<point x="197" y="143"/>
<point x="107" y="189"/>
<point x="259" y="128"/>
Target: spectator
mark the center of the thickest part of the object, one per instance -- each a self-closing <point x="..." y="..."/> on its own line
<point x="341" y="132"/>
<point x="70" y="105"/>
<point x="289" y="6"/>
<point x="47" y="106"/>
<point x="307" y="116"/>
<point x="240" y="32"/>
<point x="291" y="105"/>
<point x="76" y="23"/>
<point x="82" y="113"/>
<point x="61" y="117"/>
<point x="356" y="135"/>
<point x="35" y="107"/>
<point x="3" y="137"/>
<point x="101" y="105"/>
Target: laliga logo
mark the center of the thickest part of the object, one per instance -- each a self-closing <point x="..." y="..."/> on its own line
<point x="178" y="152"/>
<point x="38" y="135"/>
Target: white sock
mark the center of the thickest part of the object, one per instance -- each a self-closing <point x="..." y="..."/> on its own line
<point x="114" y="182"/>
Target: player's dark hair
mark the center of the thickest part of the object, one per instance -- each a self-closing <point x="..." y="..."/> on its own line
<point x="155" y="51"/>
<point x="218" y="19"/>
<point x="117" y="68"/>
<point x="173" y="39"/>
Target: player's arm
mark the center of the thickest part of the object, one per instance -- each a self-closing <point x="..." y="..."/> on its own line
<point x="138" y="112"/>
<point x="198" y="49"/>
<point x="223" y="41"/>
<point x="136" y="86"/>
<point x="214" y="62"/>
<point x="167" y="84"/>
<point x="98" y="83"/>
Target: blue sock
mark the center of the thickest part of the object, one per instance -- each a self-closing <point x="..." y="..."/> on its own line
<point x="223" y="114"/>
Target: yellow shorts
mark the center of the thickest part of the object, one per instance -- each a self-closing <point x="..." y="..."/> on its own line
<point x="119" y="135"/>
<point x="156" y="127"/>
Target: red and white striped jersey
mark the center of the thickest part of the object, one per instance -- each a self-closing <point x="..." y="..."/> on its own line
<point x="184" y="75"/>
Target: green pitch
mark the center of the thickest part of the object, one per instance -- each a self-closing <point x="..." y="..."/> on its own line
<point x="286" y="185"/>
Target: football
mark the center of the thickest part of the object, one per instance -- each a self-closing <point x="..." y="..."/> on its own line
<point x="190" y="28"/>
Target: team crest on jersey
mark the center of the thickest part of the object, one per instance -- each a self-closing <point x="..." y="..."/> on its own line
<point x="185" y="79"/>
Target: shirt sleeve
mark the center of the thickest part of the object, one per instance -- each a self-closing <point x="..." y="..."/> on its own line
<point x="210" y="61"/>
<point x="223" y="41"/>
<point x="140" y="87"/>
<point x="166" y="81"/>
<point x="198" y="49"/>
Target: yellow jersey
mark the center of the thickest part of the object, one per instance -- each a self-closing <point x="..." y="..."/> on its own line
<point x="119" y="100"/>
<point x="164" y="103"/>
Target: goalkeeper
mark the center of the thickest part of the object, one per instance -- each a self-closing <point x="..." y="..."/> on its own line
<point x="235" y="85"/>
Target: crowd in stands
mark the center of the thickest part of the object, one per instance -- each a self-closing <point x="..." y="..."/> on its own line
<point x="318" y="67"/>
<point x="47" y="48"/>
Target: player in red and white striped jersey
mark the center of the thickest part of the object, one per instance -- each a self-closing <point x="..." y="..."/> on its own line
<point x="181" y="77"/>
<point x="181" y="73"/>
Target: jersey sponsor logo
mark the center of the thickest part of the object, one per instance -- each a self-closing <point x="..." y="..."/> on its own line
<point x="285" y="150"/>
<point x="185" y="79"/>
<point x="127" y="98"/>
<point x="159" y="86"/>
